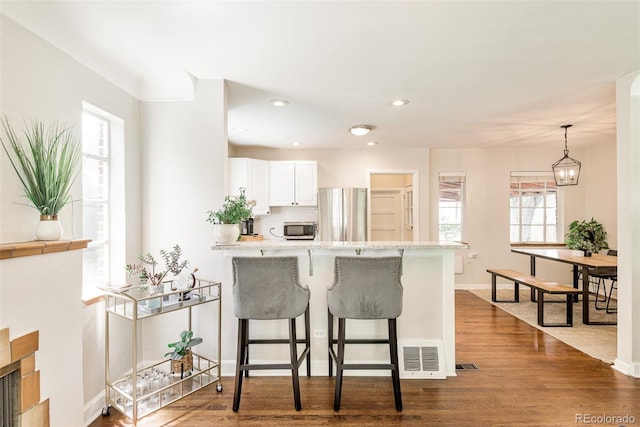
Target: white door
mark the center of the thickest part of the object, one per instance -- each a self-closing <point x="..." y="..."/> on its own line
<point x="408" y="213"/>
<point x="386" y="215"/>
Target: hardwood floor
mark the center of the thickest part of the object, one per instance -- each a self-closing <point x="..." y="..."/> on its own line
<point x="526" y="378"/>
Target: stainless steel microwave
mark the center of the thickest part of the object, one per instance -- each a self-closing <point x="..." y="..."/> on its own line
<point x="299" y="230"/>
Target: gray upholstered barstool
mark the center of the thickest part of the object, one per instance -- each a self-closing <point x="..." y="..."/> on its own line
<point x="267" y="288"/>
<point x="365" y="288"/>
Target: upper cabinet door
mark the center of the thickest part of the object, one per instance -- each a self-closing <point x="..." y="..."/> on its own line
<point x="253" y="175"/>
<point x="282" y="183"/>
<point x="293" y="183"/>
<point x="306" y="183"/>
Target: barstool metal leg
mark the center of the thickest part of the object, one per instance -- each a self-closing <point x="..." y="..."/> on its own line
<point x="395" y="369"/>
<point x="246" y="350"/>
<point x="242" y="346"/>
<point x="330" y="338"/>
<point x="339" y="364"/>
<point x="294" y="364"/>
<point x="307" y="338"/>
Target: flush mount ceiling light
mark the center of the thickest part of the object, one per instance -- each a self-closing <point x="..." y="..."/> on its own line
<point x="279" y="102"/>
<point x="566" y="171"/>
<point x="400" y="102"/>
<point x="361" y="130"/>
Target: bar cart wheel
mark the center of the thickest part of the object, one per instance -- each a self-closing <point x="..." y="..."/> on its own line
<point x="106" y="411"/>
<point x="219" y="387"/>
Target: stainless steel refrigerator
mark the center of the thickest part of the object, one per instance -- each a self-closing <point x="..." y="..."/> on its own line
<point x="342" y="214"/>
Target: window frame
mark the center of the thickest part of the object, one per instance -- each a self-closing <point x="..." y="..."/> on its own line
<point x="114" y="239"/>
<point x="533" y="178"/>
<point x="453" y="177"/>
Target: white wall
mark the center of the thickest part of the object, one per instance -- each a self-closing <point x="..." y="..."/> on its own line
<point x="487" y="201"/>
<point x="628" y="133"/>
<point x="45" y="292"/>
<point x="185" y="172"/>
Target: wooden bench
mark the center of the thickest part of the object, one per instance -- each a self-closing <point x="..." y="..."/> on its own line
<point x="541" y="287"/>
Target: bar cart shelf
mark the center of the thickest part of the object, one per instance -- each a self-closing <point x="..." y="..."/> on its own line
<point x="147" y="388"/>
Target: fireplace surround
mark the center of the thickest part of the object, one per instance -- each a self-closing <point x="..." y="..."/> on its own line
<point x="22" y="381"/>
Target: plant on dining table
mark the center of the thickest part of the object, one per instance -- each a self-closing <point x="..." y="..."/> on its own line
<point x="587" y="236"/>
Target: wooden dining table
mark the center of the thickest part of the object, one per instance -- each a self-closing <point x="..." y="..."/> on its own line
<point x="580" y="263"/>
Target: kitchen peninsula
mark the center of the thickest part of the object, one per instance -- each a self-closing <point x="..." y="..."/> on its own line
<point x="427" y="321"/>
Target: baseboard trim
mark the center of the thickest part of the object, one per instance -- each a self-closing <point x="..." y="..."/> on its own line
<point x="93" y="409"/>
<point x="632" y="369"/>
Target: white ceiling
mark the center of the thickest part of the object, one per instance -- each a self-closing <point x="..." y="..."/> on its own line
<point x="476" y="73"/>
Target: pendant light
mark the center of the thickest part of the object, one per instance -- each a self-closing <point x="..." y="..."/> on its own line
<point x="566" y="171"/>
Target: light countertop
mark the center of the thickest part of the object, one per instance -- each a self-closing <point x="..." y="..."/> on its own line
<point x="312" y="244"/>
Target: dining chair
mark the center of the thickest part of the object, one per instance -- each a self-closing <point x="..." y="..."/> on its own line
<point x="601" y="275"/>
<point x="268" y="288"/>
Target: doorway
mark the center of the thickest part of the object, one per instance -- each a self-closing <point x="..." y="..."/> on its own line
<point x="392" y="206"/>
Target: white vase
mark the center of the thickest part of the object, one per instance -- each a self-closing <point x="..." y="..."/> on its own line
<point x="226" y="234"/>
<point x="49" y="228"/>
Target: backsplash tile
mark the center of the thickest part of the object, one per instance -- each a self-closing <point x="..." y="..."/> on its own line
<point x="280" y="214"/>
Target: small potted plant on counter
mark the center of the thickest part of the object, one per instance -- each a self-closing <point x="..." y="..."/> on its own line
<point x="226" y="220"/>
<point x="181" y="355"/>
<point x="586" y="236"/>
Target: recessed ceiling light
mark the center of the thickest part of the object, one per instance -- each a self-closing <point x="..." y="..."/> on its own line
<point x="372" y="143"/>
<point x="360" y="130"/>
<point x="296" y="143"/>
<point x="279" y="102"/>
<point x="400" y="102"/>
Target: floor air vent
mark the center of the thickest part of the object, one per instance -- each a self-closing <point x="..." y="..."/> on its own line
<point x="421" y="359"/>
<point x="467" y="367"/>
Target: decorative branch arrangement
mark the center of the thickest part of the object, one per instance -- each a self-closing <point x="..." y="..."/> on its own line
<point x="146" y="269"/>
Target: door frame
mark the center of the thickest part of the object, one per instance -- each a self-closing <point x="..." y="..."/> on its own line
<point x="416" y="190"/>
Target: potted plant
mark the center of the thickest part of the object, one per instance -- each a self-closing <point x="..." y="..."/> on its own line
<point x="146" y="269"/>
<point x="181" y="356"/>
<point x="587" y="236"/>
<point x="227" y="219"/>
<point x="46" y="160"/>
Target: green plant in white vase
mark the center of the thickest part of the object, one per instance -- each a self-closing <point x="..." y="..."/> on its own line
<point x="587" y="236"/>
<point x="45" y="158"/>
<point x="227" y="219"/>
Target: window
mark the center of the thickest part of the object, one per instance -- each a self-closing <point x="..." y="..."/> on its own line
<point x="102" y="210"/>
<point x="533" y="207"/>
<point x="451" y="206"/>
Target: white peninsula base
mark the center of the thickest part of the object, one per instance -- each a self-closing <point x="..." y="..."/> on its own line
<point x="426" y="328"/>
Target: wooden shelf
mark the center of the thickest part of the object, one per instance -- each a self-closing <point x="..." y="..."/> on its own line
<point x="37" y="247"/>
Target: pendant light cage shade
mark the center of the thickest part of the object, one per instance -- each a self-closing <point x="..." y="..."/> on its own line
<point x="566" y="171"/>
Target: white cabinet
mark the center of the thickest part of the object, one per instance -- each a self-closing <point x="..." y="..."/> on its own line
<point x="252" y="174"/>
<point x="293" y="183"/>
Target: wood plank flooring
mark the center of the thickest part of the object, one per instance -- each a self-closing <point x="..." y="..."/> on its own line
<point x="526" y="378"/>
